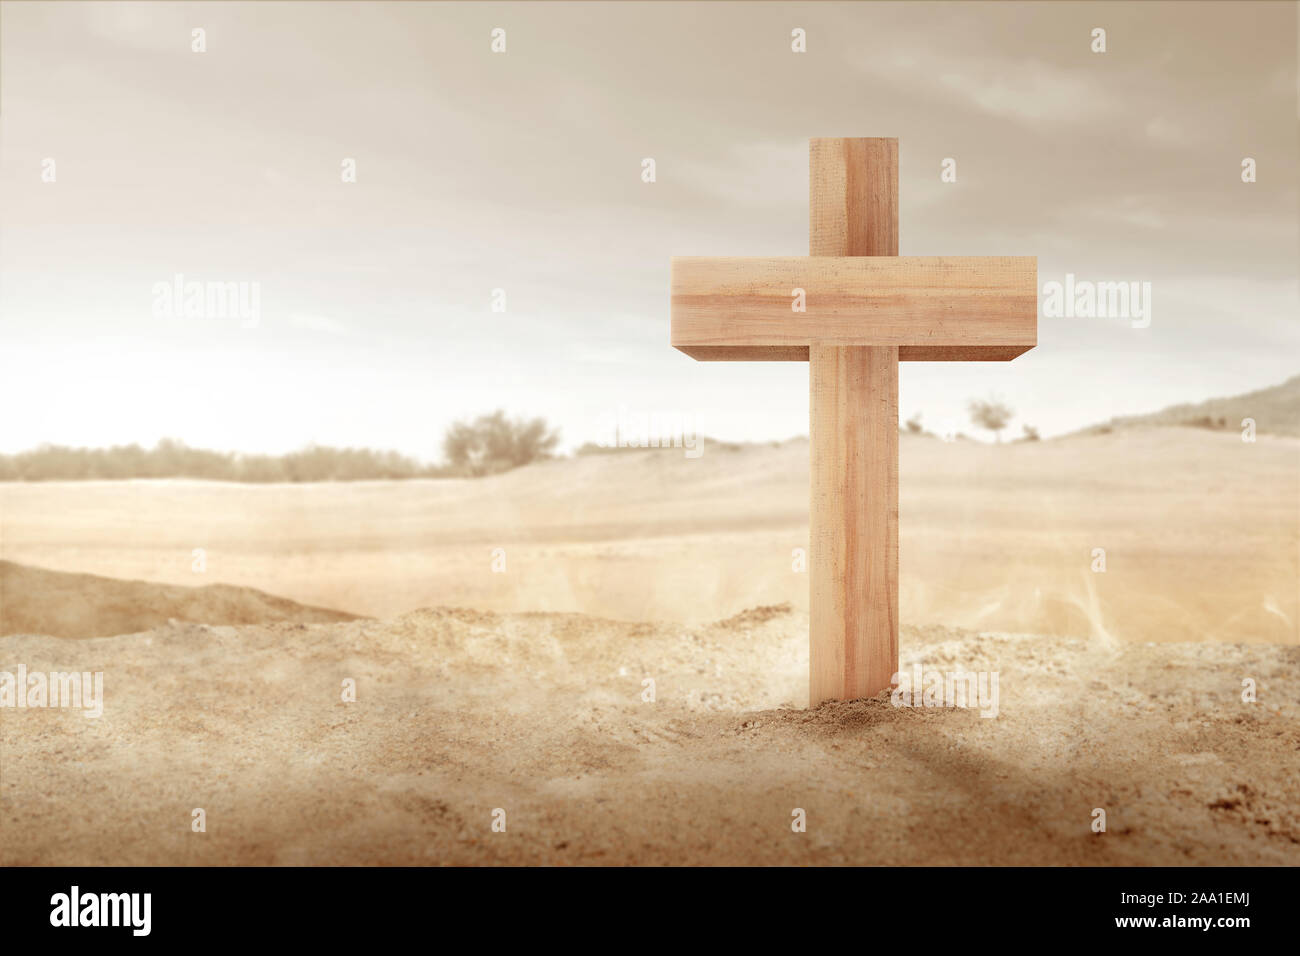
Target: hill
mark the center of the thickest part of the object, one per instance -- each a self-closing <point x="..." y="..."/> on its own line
<point x="1198" y="527"/>
<point x="1276" y="410"/>
<point x="38" y="601"/>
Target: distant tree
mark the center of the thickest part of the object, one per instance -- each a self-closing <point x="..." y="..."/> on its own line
<point x="171" y="458"/>
<point x="1031" y="433"/>
<point x="989" y="413"/>
<point x="914" y="424"/>
<point x="262" y="468"/>
<point x="493" y="443"/>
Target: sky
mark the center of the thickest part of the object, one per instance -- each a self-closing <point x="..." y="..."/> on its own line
<point x="521" y="171"/>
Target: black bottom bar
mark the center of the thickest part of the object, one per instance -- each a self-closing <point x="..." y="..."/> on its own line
<point x="946" y="906"/>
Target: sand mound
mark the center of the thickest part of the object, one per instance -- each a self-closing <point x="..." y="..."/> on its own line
<point x="1199" y="531"/>
<point x="459" y="713"/>
<point x="1275" y="410"/>
<point x="38" y="601"/>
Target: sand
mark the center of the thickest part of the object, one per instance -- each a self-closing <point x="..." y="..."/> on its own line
<point x="1201" y="533"/>
<point x="459" y="713"/>
<point x="522" y="691"/>
<point x="39" y="601"/>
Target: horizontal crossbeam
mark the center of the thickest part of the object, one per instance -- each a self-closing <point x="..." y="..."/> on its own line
<point x="932" y="308"/>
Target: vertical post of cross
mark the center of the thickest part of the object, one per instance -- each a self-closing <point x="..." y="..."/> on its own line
<point x="853" y="410"/>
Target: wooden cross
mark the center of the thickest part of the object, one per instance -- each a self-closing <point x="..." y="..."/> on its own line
<point x="865" y="309"/>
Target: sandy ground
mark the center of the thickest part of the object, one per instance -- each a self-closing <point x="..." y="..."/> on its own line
<point x="1119" y="691"/>
<point x="1201" y="533"/>
<point x="38" y="601"/>
<point x="459" y="713"/>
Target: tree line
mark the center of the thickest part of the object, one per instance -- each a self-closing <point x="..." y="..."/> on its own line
<point x="486" y="445"/>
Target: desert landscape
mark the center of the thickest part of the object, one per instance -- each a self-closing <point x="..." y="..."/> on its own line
<point x="499" y="632"/>
<point x="324" y="331"/>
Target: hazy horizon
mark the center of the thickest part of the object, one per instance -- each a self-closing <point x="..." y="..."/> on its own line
<point x="968" y="431"/>
<point x="521" y="171"/>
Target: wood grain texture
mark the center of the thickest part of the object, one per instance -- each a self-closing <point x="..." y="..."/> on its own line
<point x="931" y="308"/>
<point x="853" y="197"/>
<point x="853" y="626"/>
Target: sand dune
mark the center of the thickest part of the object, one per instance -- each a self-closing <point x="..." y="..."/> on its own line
<point x="1275" y="410"/>
<point x="38" y="601"/>
<point x="1201" y="533"/>
<point x="460" y="713"/>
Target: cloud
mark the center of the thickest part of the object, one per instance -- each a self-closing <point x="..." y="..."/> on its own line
<point x="1140" y="211"/>
<point x="1030" y="91"/>
<point x="768" y="172"/>
<point x="1025" y="90"/>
